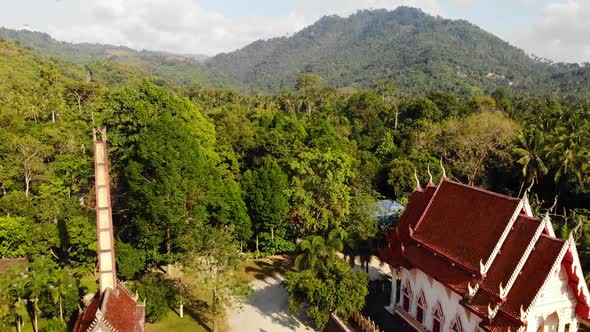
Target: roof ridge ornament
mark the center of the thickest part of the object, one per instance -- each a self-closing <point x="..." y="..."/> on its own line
<point x="429" y="175"/>
<point x="417" y="180"/>
<point x="554" y="204"/>
<point x="555" y="265"/>
<point x="443" y="168"/>
<point x="528" y="189"/>
<point x="472" y="290"/>
<point x="523" y="314"/>
<point x="523" y="259"/>
<point x="493" y="311"/>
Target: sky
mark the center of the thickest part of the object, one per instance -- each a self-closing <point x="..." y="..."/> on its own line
<point x="555" y="29"/>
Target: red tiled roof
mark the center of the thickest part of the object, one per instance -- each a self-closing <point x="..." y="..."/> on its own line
<point x="118" y="308"/>
<point x="479" y="304"/>
<point x="533" y="274"/>
<point x="465" y="223"/>
<point x="87" y="316"/>
<point x="438" y="268"/>
<point x="510" y="253"/>
<point x="400" y="236"/>
<point x="446" y="231"/>
<point x="501" y="323"/>
<point x="5" y="263"/>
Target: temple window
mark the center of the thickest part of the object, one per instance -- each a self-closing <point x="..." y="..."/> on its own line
<point x="437" y="318"/>
<point x="456" y="325"/>
<point x="407" y="295"/>
<point x="420" y="307"/>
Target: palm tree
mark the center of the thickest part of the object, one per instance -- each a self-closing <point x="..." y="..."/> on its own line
<point x="313" y="251"/>
<point x="18" y="292"/>
<point x="61" y="286"/>
<point x="316" y="252"/>
<point x="42" y="273"/>
<point x="569" y="156"/>
<point x="529" y="148"/>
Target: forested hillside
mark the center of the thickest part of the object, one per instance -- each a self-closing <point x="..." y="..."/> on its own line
<point x="418" y="51"/>
<point x="180" y="69"/>
<point x="209" y="173"/>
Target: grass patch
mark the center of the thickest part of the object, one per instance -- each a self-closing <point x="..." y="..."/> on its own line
<point x="173" y="322"/>
<point x="90" y="282"/>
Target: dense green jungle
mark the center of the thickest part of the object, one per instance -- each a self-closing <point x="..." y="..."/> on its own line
<point x="201" y="171"/>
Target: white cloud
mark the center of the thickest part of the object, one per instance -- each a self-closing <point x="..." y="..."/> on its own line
<point x="186" y="27"/>
<point x="560" y="33"/>
<point x="171" y="25"/>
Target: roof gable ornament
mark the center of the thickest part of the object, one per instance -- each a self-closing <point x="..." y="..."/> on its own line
<point x="527" y="252"/>
<point x="472" y="290"/>
<point x="493" y="311"/>
<point x="482" y="267"/>
<point x="523" y="314"/>
<point x="553" y="269"/>
<point x="443" y="168"/>
<point x="548" y="224"/>
<point x="429" y="175"/>
<point x="418" y="187"/>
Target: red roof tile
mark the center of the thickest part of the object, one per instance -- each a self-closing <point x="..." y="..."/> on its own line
<point x="5" y="263"/>
<point x="533" y="274"/>
<point x="465" y="223"/>
<point x="438" y="268"/>
<point x="118" y="308"/>
<point x="501" y="323"/>
<point x="510" y="253"/>
<point x="400" y="236"/>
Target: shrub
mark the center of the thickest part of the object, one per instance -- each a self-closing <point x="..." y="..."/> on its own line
<point x="159" y="295"/>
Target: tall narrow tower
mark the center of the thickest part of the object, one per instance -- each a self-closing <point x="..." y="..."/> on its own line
<point x="113" y="309"/>
<point x="104" y="216"/>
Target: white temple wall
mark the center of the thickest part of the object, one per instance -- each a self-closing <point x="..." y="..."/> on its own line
<point x="433" y="292"/>
<point x="556" y="306"/>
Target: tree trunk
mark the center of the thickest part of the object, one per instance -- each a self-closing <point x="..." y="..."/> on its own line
<point x="61" y="311"/>
<point x="53" y="116"/>
<point x="272" y="234"/>
<point x="396" y="116"/>
<point x="181" y="310"/>
<point x="27" y="181"/>
<point x="214" y="309"/>
<point x="36" y="315"/>
<point x="168" y="250"/>
<point x="256" y="245"/>
<point x="18" y="323"/>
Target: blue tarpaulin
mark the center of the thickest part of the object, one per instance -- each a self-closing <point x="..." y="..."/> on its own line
<point x="385" y="211"/>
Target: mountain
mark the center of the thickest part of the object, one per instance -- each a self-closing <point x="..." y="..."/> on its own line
<point x="417" y="51"/>
<point x="180" y="69"/>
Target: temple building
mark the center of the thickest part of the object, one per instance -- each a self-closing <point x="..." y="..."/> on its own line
<point x="113" y="308"/>
<point x="467" y="259"/>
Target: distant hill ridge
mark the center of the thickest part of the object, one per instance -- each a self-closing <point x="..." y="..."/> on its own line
<point x="417" y="51"/>
<point x="178" y="68"/>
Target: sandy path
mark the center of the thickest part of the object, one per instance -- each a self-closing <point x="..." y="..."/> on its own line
<point x="267" y="310"/>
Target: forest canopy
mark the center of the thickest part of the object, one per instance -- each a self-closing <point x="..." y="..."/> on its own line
<point x="193" y="165"/>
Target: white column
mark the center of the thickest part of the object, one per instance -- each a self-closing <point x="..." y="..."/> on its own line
<point x="391" y="307"/>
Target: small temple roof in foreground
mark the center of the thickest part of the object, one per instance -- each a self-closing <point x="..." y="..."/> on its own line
<point x="6" y="263"/>
<point x="113" y="311"/>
